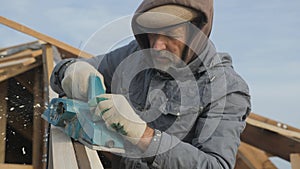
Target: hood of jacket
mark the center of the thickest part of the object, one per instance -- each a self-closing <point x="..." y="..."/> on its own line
<point x="202" y="6"/>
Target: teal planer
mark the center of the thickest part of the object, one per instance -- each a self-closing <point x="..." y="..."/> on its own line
<point x="74" y="117"/>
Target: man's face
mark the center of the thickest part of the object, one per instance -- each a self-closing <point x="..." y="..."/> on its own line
<point x="168" y="47"/>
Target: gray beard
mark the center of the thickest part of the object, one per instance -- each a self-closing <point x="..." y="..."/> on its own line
<point x="173" y="61"/>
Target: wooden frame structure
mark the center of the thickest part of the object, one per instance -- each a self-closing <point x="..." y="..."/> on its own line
<point x="262" y="138"/>
<point x="45" y="153"/>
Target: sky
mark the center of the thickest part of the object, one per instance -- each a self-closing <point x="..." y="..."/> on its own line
<point x="262" y="37"/>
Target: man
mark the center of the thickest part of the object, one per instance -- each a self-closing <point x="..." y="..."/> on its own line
<point x="177" y="102"/>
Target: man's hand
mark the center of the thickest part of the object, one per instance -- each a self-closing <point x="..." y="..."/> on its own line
<point x="120" y="117"/>
<point x="76" y="80"/>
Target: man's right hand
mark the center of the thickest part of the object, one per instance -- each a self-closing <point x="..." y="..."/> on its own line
<point x="76" y="80"/>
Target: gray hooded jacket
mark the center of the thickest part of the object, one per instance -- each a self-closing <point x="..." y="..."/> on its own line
<point x="198" y="112"/>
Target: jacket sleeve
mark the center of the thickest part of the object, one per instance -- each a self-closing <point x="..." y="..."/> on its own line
<point x="216" y="137"/>
<point x="106" y="64"/>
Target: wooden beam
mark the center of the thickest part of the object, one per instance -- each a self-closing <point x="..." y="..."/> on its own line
<point x="16" y="70"/>
<point x="47" y="61"/>
<point x="38" y="108"/>
<point x="240" y="164"/>
<point x="285" y="132"/>
<point x="19" y="55"/>
<point x="47" y="69"/>
<point x="19" y="62"/>
<point x="295" y="161"/>
<point x="81" y="156"/>
<point x="40" y="36"/>
<point x="273" y="122"/>
<point x="17" y="46"/>
<point x="15" y="166"/>
<point x="28" y="53"/>
<point x="86" y="157"/>
<point x="3" y="110"/>
<point x="93" y="158"/>
<point x="268" y="141"/>
<point x="63" y="154"/>
<point x="254" y="157"/>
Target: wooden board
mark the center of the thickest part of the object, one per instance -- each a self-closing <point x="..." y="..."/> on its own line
<point x="240" y="164"/>
<point x="40" y="36"/>
<point x="93" y="158"/>
<point x="81" y="156"/>
<point x="270" y="142"/>
<point x="17" y="46"/>
<point x="47" y="61"/>
<point x="283" y="131"/>
<point x="254" y="158"/>
<point x="15" y="166"/>
<point x="3" y="109"/>
<point x="28" y="53"/>
<point x="295" y="161"/>
<point x="62" y="151"/>
<point x="9" y="72"/>
<point x="38" y="108"/>
<point x="272" y="122"/>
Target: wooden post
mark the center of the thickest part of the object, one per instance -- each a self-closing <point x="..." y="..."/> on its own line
<point x="3" y="108"/>
<point x="47" y="61"/>
<point x="38" y="108"/>
<point x="47" y="70"/>
<point x="295" y="161"/>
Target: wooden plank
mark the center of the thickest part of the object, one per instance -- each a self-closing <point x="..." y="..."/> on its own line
<point x="86" y="157"/>
<point x="295" y="161"/>
<point x="81" y="156"/>
<point x="20" y="62"/>
<point x="16" y="70"/>
<point x="43" y="37"/>
<point x="268" y="141"/>
<point x="3" y="110"/>
<point x="240" y="164"/>
<point x="17" y="46"/>
<point x="62" y="150"/>
<point x="28" y="53"/>
<point x="276" y="129"/>
<point x="38" y="108"/>
<point x="93" y="158"/>
<point x="47" y="69"/>
<point x="48" y="61"/>
<point x="272" y="122"/>
<point x="19" y="55"/>
<point x="15" y="166"/>
<point x="254" y="158"/>
<point x="47" y="151"/>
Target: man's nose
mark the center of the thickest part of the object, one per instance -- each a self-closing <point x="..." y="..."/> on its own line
<point x="160" y="42"/>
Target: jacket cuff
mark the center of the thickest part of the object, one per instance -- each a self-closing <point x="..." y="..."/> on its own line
<point x="58" y="74"/>
<point x="160" y="144"/>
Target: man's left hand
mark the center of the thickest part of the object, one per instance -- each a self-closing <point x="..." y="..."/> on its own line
<point x="120" y="117"/>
